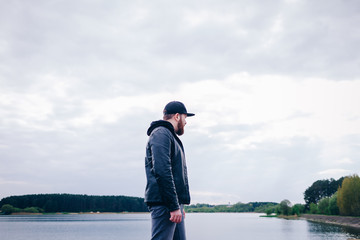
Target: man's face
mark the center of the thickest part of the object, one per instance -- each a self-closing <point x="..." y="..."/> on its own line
<point x="181" y="124"/>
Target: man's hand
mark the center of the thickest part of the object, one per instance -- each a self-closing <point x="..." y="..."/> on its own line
<point x="176" y="216"/>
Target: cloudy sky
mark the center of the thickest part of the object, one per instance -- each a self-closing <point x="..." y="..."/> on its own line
<point x="274" y="84"/>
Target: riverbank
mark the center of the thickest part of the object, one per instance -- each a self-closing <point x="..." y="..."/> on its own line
<point x="337" y="220"/>
<point x="71" y="213"/>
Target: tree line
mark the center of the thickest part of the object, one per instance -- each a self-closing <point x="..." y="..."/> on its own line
<point x="238" y="207"/>
<point x="328" y="197"/>
<point x="50" y="203"/>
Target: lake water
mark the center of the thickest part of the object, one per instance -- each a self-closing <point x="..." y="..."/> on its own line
<point x="209" y="226"/>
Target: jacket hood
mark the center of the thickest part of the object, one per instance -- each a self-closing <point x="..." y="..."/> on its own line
<point x="168" y="125"/>
<point x="160" y="123"/>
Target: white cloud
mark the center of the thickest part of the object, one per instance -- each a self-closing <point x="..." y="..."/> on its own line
<point x="25" y="107"/>
<point x="265" y="79"/>
<point x="336" y="172"/>
<point x="203" y="17"/>
<point x="287" y="107"/>
<point x="345" y="161"/>
<point x="214" y="197"/>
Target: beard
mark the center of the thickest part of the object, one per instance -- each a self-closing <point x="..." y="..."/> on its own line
<point x="180" y="128"/>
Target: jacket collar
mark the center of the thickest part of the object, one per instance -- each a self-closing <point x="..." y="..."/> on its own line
<point x="166" y="124"/>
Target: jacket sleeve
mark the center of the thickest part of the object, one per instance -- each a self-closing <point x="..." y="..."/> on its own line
<point x="161" y="156"/>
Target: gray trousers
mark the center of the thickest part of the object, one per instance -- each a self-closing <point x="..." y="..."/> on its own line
<point x="162" y="228"/>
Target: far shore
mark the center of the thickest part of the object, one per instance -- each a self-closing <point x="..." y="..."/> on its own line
<point x="73" y="213"/>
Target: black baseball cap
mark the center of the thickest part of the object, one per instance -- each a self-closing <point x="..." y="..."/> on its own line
<point x="176" y="107"/>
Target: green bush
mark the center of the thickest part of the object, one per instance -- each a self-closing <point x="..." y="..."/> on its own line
<point x="313" y="208"/>
<point x="348" y="198"/>
<point x="7" y="209"/>
<point x="297" y="209"/>
<point x="333" y="207"/>
<point x="285" y="207"/>
<point x="323" y="206"/>
<point x="269" y="211"/>
<point x="31" y="210"/>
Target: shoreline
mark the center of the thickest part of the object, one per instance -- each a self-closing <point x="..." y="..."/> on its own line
<point x="71" y="213"/>
<point x="345" y="221"/>
<point x="336" y="220"/>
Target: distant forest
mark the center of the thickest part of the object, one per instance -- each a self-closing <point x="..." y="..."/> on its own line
<point x="51" y="203"/>
<point x="238" y="207"/>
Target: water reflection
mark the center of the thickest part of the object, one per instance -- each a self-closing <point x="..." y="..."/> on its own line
<point x="293" y="229"/>
<point x="75" y="218"/>
<point x="335" y="231"/>
<point x="229" y="226"/>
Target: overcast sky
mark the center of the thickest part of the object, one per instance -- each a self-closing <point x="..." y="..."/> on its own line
<point x="275" y="86"/>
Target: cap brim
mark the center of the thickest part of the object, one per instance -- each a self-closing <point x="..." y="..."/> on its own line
<point x="190" y="114"/>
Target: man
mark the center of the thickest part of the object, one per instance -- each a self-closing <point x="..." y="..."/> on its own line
<point x="167" y="187"/>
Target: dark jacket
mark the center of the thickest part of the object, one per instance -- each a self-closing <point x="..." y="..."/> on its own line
<point x="165" y="165"/>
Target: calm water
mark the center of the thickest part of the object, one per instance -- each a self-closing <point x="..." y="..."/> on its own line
<point x="209" y="226"/>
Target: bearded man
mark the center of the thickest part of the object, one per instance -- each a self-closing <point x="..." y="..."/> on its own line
<point x="167" y="188"/>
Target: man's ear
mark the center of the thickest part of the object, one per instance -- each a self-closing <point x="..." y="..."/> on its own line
<point x="177" y="117"/>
